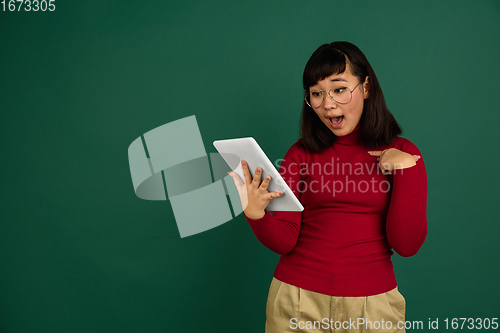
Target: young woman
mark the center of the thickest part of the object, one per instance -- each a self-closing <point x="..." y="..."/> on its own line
<point x="364" y="192"/>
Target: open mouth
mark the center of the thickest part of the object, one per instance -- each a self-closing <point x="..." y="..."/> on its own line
<point x="336" y="121"/>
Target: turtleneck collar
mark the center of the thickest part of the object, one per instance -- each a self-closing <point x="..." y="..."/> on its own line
<point x="351" y="139"/>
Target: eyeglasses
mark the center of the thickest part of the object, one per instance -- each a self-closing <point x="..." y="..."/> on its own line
<point x="341" y="95"/>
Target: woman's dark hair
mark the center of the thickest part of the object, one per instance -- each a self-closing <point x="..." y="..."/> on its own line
<point x="377" y="124"/>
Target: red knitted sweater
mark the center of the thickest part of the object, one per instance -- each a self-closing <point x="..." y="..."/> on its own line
<point x="354" y="216"/>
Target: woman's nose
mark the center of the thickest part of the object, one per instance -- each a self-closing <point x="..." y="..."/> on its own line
<point x="329" y="103"/>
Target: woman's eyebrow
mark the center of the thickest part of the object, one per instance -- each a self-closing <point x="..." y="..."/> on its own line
<point x="338" y="79"/>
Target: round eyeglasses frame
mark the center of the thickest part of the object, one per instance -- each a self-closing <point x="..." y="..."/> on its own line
<point x="328" y="91"/>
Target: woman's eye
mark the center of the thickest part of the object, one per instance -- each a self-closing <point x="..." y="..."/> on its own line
<point x="315" y="93"/>
<point x="339" y="90"/>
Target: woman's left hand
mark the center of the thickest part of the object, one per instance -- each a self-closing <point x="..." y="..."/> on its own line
<point x="393" y="158"/>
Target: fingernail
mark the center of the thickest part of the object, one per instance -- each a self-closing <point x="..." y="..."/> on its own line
<point x="281" y="192"/>
<point x="370" y="152"/>
<point x="267" y="177"/>
<point x="417" y="158"/>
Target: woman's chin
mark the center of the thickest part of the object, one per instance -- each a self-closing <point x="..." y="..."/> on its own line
<point x="341" y="131"/>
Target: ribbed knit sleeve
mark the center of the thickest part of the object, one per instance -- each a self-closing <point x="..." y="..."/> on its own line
<point x="406" y="223"/>
<point x="279" y="231"/>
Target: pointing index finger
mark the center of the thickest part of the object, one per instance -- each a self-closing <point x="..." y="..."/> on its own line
<point x="376" y="152"/>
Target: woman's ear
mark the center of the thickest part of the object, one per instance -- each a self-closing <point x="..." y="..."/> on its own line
<point x="366" y="88"/>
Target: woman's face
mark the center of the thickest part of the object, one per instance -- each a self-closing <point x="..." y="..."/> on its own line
<point x="341" y="119"/>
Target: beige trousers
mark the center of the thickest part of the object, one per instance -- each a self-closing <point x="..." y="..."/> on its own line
<point x="293" y="309"/>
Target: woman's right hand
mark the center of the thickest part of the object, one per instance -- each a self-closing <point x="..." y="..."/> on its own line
<point x="255" y="197"/>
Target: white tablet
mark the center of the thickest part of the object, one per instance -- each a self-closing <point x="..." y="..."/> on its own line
<point x="235" y="150"/>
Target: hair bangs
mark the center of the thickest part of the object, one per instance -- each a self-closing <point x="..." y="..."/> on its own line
<point x="326" y="61"/>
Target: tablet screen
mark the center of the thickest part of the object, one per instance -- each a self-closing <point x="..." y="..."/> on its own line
<point x="235" y="150"/>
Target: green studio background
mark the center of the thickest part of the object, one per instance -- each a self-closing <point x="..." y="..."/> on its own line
<point x="81" y="253"/>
